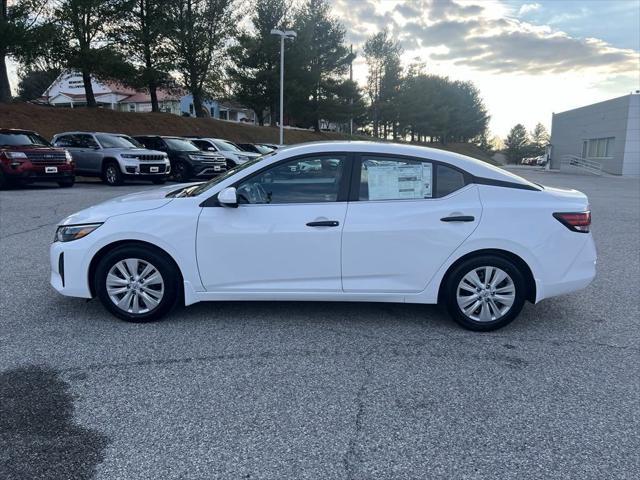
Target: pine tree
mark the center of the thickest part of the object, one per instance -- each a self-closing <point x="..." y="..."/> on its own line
<point x="517" y="143"/>
<point x="255" y="60"/>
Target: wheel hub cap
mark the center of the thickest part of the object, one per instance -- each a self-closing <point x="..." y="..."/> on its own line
<point x="135" y="285"/>
<point x="486" y="294"/>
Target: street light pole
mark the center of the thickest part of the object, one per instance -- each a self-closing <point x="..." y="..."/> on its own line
<point x="287" y="34"/>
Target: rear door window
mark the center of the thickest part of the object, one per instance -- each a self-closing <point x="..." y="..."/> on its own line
<point x="387" y="178"/>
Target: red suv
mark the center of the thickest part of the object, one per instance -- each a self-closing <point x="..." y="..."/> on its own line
<point x="26" y="157"/>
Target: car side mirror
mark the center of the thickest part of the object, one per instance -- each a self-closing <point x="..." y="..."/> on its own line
<point x="228" y="197"/>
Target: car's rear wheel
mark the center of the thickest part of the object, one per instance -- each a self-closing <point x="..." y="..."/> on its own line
<point x="111" y="174"/>
<point x="485" y="293"/>
<point x="137" y="284"/>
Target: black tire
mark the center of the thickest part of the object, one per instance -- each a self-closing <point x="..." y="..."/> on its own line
<point x="455" y="277"/>
<point x="4" y="183"/>
<point x="111" y="174"/>
<point x="181" y="171"/>
<point x="67" y="183"/>
<point x="159" y="181"/>
<point x="160" y="261"/>
<point x="230" y="164"/>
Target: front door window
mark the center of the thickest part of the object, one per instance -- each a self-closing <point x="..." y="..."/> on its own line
<point x="306" y="180"/>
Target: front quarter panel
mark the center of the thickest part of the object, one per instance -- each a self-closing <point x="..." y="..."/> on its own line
<point x="171" y="228"/>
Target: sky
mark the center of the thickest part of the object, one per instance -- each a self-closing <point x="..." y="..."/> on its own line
<point x="527" y="58"/>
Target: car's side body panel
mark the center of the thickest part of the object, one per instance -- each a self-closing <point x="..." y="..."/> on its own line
<point x="396" y="246"/>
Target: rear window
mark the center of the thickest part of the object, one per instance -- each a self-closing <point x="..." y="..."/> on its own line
<point x="22" y="139"/>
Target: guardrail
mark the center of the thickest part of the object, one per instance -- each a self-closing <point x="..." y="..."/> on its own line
<point x="591" y="166"/>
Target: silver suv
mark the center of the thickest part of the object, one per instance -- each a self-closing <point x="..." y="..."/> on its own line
<point x="113" y="157"/>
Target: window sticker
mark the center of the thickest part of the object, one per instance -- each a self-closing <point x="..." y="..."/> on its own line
<point x="400" y="182"/>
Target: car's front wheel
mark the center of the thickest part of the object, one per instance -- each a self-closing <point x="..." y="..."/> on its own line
<point x="485" y="293"/>
<point x="111" y="174"/>
<point x="137" y="284"/>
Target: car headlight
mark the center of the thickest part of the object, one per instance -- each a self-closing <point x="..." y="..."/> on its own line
<point x="16" y="155"/>
<point x="67" y="233"/>
<point x="128" y="155"/>
<point x="68" y="156"/>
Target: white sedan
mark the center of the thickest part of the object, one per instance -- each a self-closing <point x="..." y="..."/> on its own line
<point x="370" y="222"/>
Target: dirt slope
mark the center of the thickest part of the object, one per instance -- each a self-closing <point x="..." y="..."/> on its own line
<point x="49" y="120"/>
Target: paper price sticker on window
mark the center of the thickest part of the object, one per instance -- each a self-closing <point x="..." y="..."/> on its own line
<point x="400" y="182"/>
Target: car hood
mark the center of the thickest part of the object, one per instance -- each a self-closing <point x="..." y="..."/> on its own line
<point x="134" y="202"/>
<point x="135" y="151"/>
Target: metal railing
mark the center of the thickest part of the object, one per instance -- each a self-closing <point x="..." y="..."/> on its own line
<point x="592" y="166"/>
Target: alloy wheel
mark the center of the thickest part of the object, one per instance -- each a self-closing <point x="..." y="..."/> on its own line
<point x="135" y="286"/>
<point x="486" y="294"/>
<point x="111" y="174"/>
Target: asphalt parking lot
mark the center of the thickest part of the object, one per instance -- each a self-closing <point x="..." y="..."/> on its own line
<point x="279" y="390"/>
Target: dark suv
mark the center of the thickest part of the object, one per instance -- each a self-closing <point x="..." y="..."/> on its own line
<point x="26" y="157"/>
<point x="187" y="161"/>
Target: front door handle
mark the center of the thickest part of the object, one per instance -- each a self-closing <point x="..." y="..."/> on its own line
<point x="458" y="218"/>
<point x="323" y="223"/>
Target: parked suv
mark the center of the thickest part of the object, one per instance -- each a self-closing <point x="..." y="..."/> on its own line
<point x="26" y="157"/>
<point x="229" y="150"/>
<point x="187" y="161"/>
<point x="113" y="157"/>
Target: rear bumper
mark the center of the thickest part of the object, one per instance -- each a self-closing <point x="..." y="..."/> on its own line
<point x="579" y="275"/>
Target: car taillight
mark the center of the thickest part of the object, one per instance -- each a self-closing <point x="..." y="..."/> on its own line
<point x="575" y="221"/>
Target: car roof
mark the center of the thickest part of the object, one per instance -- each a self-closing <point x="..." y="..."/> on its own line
<point x="78" y="132"/>
<point x="471" y="165"/>
<point x="15" y="130"/>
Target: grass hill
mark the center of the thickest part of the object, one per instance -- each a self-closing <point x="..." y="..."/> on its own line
<point x="49" y="120"/>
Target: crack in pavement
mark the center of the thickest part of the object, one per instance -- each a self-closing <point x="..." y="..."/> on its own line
<point x="352" y="457"/>
<point x="28" y="230"/>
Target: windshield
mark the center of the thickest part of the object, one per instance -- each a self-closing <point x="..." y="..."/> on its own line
<point x="181" y="145"/>
<point x="195" y="190"/>
<point x="262" y="149"/>
<point x="116" y="141"/>
<point x="226" y="146"/>
<point x="22" y="139"/>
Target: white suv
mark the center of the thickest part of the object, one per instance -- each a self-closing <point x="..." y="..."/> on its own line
<point x="229" y="150"/>
<point x="113" y="157"/>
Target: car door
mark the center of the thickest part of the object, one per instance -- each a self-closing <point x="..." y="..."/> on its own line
<point x="89" y="152"/>
<point x="406" y="217"/>
<point x="71" y="143"/>
<point x="285" y="234"/>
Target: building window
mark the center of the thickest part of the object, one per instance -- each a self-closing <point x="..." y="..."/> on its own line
<point x="191" y="109"/>
<point x="224" y="115"/>
<point x="600" y="147"/>
<point x="132" y="107"/>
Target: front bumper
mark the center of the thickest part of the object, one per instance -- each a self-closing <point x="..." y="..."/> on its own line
<point x="69" y="269"/>
<point x="207" y="169"/>
<point x="28" y="173"/>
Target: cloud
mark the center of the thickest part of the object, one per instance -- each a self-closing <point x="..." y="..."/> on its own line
<point x="528" y="8"/>
<point x="467" y="35"/>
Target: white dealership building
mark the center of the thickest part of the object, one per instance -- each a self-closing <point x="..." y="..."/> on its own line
<point x="605" y="134"/>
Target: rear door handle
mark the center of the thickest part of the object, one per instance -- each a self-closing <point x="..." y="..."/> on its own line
<point x="323" y="223"/>
<point x="458" y="218"/>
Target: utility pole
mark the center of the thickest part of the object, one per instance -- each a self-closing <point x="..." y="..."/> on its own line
<point x="351" y="100"/>
<point x="287" y="34"/>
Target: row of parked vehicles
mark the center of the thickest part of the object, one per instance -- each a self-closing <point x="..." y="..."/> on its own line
<point x="26" y="157"/>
